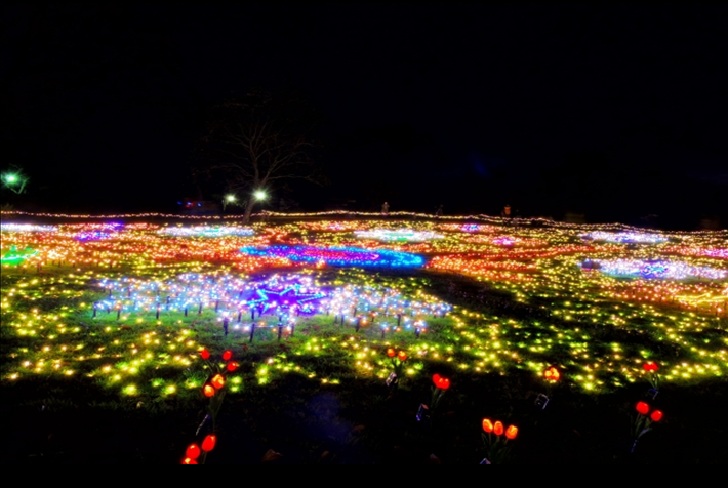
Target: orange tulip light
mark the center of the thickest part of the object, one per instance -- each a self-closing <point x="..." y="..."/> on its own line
<point x="656" y="416"/>
<point x="227" y="355"/>
<point x="643" y="408"/>
<point x="512" y="432"/>
<point x="232" y="366"/>
<point x="189" y="461"/>
<point x="487" y="426"/>
<point x="208" y="390"/>
<point x="402" y="356"/>
<point x="498" y="428"/>
<point x="193" y="452"/>
<point x="218" y="381"/>
<point x="209" y="443"/>
<point x="391" y="353"/>
<point x="205" y="354"/>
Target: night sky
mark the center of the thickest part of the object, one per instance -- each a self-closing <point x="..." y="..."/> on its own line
<point x="597" y="112"/>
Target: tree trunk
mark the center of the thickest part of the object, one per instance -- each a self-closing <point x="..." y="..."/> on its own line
<point x="248" y="211"/>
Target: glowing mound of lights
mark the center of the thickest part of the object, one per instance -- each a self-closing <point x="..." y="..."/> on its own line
<point x="202" y="231"/>
<point x="664" y="270"/>
<point x="716" y="253"/>
<point x="471" y="228"/>
<point x="400" y="235"/>
<point x="191" y="292"/>
<point x="340" y="256"/>
<point x="26" y="228"/>
<point x="93" y="236"/>
<point x="279" y="300"/>
<point x="468" y="228"/>
<point x="99" y="227"/>
<point x="289" y="294"/>
<point x="711" y="252"/>
<point x="504" y="241"/>
<point x="16" y="256"/>
<point x="625" y="237"/>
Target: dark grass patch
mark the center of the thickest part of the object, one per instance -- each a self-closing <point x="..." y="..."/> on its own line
<point x="71" y="422"/>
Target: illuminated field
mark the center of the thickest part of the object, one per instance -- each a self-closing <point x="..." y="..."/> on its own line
<point x="130" y="306"/>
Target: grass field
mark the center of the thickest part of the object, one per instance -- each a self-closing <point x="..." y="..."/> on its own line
<point x="101" y="339"/>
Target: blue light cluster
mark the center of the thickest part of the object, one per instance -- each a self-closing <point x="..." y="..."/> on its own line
<point x="92" y="236"/>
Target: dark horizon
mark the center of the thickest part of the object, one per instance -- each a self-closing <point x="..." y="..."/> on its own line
<point x="601" y="113"/>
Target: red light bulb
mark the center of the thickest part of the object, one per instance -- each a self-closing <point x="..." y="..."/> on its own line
<point x="643" y="408"/>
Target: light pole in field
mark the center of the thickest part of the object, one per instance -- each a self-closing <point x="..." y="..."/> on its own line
<point x="15" y="181"/>
<point x="258" y="196"/>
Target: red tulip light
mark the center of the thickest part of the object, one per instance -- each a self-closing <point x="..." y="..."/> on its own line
<point x="232" y="366"/>
<point x="227" y="355"/>
<point x="487" y="426"/>
<point x="656" y="416"/>
<point x="643" y="408"/>
<point x="189" y="461"/>
<point x="651" y="367"/>
<point x="205" y="354"/>
<point x="391" y="353"/>
<point x="218" y="381"/>
<point x="402" y="356"/>
<point x="208" y="390"/>
<point x="441" y="382"/>
<point x="498" y="428"/>
<point x="193" y="452"/>
<point x="552" y="374"/>
<point x="209" y="443"/>
<point x="512" y="432"/>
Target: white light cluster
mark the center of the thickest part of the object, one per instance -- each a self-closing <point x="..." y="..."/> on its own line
<point x="25" y="228"/>
<point x="666" y="270"/>
<point x="625" y="237"/>
<point x="202" y="231"/>
<point x="397" y="235"/>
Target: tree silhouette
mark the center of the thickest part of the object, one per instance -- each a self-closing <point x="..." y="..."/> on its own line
<point x="256" y="142"/>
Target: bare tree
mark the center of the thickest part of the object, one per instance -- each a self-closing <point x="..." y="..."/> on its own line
<point x="254" y="143"/>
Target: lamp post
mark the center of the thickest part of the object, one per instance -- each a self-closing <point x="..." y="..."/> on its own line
<point x="257" y="196"/>
<point x="229" y="200"/>
<point x="15" y="182"/>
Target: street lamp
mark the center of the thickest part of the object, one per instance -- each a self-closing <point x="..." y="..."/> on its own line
<point x="229" y="200"/>
<point x="260" y="195"/>
<point x="15" y="182"/>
